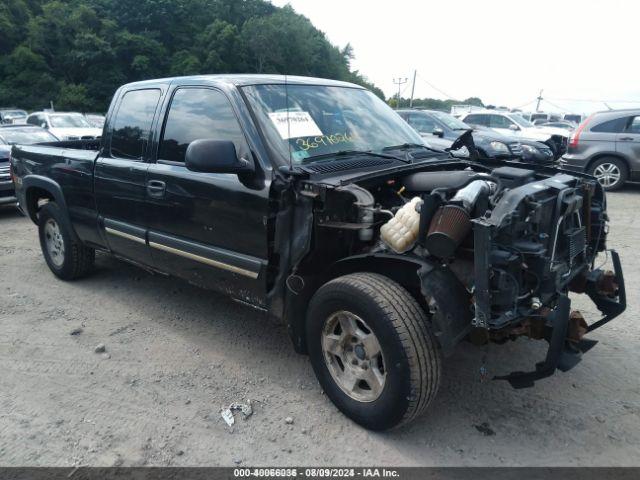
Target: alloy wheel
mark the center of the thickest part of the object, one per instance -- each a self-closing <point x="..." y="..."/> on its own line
<point x="608" y="174"/>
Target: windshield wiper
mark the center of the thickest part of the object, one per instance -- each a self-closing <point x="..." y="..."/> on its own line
<point x="346" y="153"/>
<point x="405" y="146"/>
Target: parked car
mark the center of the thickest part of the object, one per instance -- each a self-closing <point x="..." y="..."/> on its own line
<point x="607" y="146"/>
<point x="12" y="115"/>
<point x="573" y="117"/>
<point x="569" y="126"/>
<point x="314" y="202"/>
<point x="537" y="152"/>
<point x="65" y="125"/>
<point x="95" y="120"/>
<point x="543" y="116"/>
<point x="441" y="129"/>
<point x="515" y="125"/>
<point x="11" y="135"/>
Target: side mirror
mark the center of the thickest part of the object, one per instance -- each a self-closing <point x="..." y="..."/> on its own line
<point x="438" y="132"/>
<point x="215" y="156"/>
<point x="513" y="127"/>
<point x="44" y="125"/>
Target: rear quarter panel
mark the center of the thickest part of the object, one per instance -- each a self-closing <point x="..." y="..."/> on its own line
<point x="69" y="169"/>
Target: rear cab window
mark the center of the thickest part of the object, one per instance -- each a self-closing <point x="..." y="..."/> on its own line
<point x="132" y="124"/>
<point x="197" y="113"/>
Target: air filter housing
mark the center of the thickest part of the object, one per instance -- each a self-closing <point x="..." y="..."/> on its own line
<point x="449" y="227"/>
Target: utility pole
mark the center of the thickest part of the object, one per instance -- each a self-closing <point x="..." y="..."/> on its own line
<point x="399" y="82"/>
<point x="539" y="100"/>
<point x="413" y="87"/>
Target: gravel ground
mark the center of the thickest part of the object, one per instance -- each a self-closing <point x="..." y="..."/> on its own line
<point x="174" y="355"/>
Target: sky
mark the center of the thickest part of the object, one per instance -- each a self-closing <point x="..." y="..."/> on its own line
<point x="504" y="52"/>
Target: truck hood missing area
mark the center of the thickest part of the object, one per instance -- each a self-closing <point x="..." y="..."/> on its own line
<point x="511" y="242"/>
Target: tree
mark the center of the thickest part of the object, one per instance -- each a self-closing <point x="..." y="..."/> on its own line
<point x="78" y="52"/>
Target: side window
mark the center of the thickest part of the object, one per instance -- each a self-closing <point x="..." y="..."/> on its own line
<point x="33" y="120"/>
<point x="634" y="126"/>
<point x="612" y="126"/>
<point x="132" y="125"/>
<point x="476" y="119"/>
<point x="198" y="113"/>
<point x="498" y="121"/>
<point x="422" y="123"/>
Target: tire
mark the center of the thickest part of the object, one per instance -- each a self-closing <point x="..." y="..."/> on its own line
<point x="409" y="359"/>
<point x="611" y="172"/>
<point x="66" y="258"/>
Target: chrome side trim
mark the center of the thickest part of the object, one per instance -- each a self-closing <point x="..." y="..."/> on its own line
<point x="118" y="233"/>
<point x="207" y="261"/>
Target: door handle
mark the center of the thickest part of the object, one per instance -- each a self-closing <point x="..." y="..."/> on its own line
<point x="626" y="139"/>
<point x="156" y="188"/>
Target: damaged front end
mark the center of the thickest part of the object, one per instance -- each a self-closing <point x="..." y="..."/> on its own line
<point x="491" y="254"/>
<point x="538" y="244"/>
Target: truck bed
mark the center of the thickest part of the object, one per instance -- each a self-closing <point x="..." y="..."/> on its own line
<point x="68" y="165"/>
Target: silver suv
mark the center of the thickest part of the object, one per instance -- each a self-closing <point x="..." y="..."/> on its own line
<point x="607" y="146"/>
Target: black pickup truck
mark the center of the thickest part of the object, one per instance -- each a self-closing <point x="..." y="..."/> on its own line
<point x="314" y="202"/>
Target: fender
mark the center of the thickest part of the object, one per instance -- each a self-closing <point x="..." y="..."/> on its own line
<point x="50" y="186"/>
<point x="436" y="288"/>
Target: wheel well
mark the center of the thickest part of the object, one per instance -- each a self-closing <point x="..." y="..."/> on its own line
<point x="403" y="272"/>
<point x="607" y="155"/>
<point x="35" y="198"/>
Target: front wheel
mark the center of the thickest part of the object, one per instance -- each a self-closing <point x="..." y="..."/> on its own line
<point x="372" y="350"/>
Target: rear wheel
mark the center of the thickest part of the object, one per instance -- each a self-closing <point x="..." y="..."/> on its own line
<point x="66" y="257"/>
<point x="372" y="350"/>
<point x="610" y="172"/>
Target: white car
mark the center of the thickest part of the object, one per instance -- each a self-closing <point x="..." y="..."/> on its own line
<point x="65" y="125"/>
<point x="515" y="125"/>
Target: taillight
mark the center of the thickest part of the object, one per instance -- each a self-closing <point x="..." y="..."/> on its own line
<point x="575" y="137"/>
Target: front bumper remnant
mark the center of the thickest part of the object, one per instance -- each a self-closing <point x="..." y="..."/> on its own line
<point x="564" y="351"/>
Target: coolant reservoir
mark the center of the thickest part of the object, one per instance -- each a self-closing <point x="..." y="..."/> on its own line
<point x="401" y="232"/>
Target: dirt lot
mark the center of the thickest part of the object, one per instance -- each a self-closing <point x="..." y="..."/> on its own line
<point x="176" y="354"/>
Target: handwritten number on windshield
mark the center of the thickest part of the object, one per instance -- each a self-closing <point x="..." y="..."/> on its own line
<point x="310" y="143"/>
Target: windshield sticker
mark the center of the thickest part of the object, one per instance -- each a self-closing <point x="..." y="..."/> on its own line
<point x="323" y="140"/>
<point x="299" y="155"/>
<point x="294" y="124"/>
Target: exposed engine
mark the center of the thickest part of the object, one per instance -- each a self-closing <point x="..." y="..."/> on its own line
<point x="521" y="237"/>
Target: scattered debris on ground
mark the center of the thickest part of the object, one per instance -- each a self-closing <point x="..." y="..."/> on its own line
<point x="228" y="413"/>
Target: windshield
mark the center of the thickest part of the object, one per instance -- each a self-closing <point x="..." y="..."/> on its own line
<point x="310" y="120"/>
<point x="450" y="121"/>
<point x="520" y="120"/>
<point x="25" y="136"/>
<point x="68" y="121"/>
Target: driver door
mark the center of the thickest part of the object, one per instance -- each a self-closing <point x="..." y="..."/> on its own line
<point x="208" y="228"/>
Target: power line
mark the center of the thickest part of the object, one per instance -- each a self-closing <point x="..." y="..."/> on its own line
<point x="557" y="106"/>
<point x="436" y="88"/>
